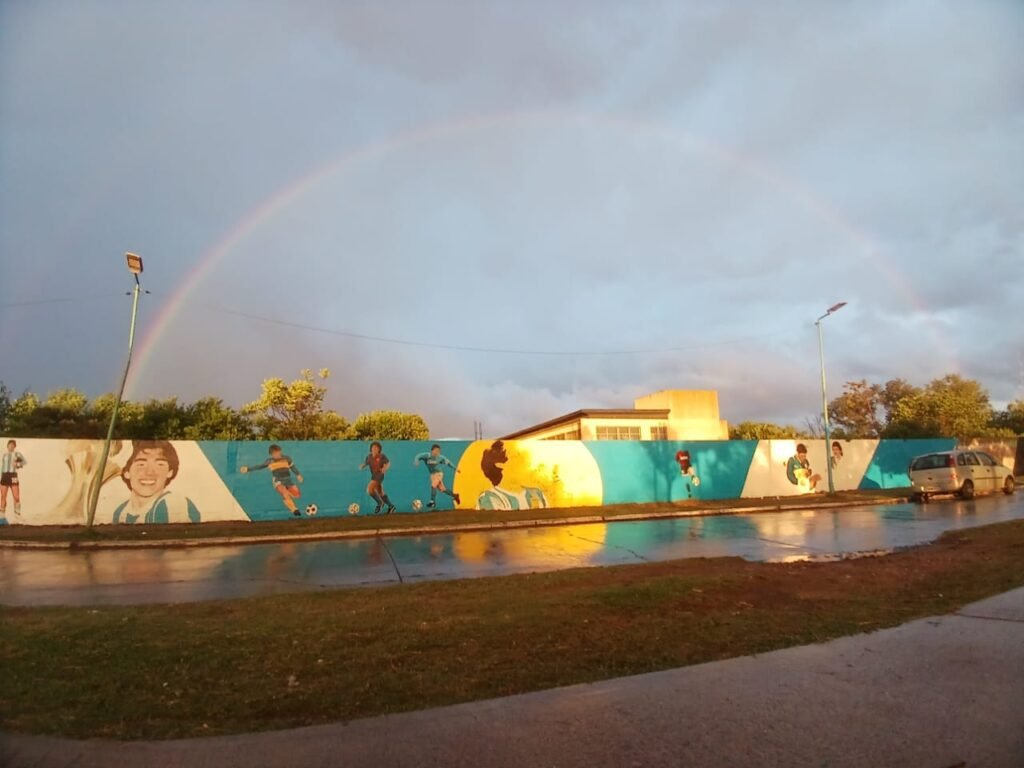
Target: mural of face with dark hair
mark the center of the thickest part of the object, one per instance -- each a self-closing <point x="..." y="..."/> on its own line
<point x="493" y="461"/>
<point x="150" y="468"/>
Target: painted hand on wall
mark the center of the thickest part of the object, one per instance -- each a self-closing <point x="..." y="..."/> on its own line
<point x="83" y="458"/>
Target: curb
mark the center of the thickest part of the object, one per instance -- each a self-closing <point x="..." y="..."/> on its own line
<point x="370" y="533"/>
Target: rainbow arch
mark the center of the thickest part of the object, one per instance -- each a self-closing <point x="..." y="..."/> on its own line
<point x="294" y="190"/>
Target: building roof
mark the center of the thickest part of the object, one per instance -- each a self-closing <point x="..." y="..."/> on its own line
<point x="637" y="414"/>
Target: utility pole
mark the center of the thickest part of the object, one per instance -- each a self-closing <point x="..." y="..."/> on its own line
<point x="135" y="267"/>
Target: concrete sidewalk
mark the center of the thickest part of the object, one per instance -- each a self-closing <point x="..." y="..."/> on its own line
<point x="937" y="693"/>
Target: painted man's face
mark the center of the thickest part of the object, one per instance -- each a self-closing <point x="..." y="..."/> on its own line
<point x="149" y="473"/>
<point x="374" y="450"/>
<point x="435" y="451"/>
<point x="837" y="451"/>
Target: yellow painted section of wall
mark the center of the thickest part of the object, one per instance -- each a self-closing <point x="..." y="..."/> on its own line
<point x="564" y="473"/>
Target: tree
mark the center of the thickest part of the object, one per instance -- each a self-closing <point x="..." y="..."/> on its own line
<point x="130" y="417"/>
<point x="948" y="407"/>
<point x="1012" y="419"/>
<point x="293" y="411"/>
<point x="892" y="393"/>
<point x="209" y="419"/>
<point x="856" y="411"/>
<point x="758" y="430"/>
<point x="390" y="425"/>
<point x="865" y="410"/>
<point x="160" y="420"/>
<point x="333" y="426"/>
<point x="69" y="402"/>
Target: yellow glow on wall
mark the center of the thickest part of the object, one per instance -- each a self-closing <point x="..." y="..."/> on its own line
<point x="530" y="474"/>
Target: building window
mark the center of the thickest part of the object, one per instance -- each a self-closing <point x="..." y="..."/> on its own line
<point x="618" y="433"/>
<point x="571" y="434"/>
<point x="659" y="433"/>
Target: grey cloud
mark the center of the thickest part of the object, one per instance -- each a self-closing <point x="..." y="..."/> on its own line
<point x="875" y="157"/>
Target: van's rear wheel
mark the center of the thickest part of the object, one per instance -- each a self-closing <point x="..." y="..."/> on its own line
<point x="1009" y="487"/>
<point x="967" y="490"/>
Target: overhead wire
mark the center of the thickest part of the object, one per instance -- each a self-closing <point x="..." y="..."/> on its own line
<point x="412" y="342"/>
<point x="476" y="349"/>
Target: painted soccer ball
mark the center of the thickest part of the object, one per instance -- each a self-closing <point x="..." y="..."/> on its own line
<point x="696" y="481"/>
<point x="312" y="509"/>
<point x="353" y="509"/>
<point x="18" y="463"/>
<point x="417" y="505"/>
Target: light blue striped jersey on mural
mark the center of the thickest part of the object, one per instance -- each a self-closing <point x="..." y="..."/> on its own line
<point x="499" y="498"/>
<point x="12" y="461"/>
<point x="433" y="463"/>
<point x="166" y="508"/>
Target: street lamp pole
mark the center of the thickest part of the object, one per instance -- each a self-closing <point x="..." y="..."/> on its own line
<point x="135" y="267"/>
<point x="824" y="394"/>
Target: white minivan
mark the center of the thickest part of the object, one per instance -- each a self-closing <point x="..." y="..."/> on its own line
<point x="964" y="473"/>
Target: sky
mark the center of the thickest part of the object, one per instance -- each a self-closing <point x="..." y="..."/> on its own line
<point x="497" y="212"/>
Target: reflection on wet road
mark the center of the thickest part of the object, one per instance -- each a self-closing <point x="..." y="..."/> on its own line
<point x="29" y="577"/>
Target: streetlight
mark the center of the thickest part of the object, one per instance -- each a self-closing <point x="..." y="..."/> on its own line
<point x="824" y="394"/>
<point x="134" y="262"/>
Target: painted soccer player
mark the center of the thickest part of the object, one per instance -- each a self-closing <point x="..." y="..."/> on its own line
<point x="434" y="462"/>
<point x="493" y="464"/>
<point x="378" y="464"/>
<point x="10" y="463"/>
<point x="799" y="472"/>
<point x="281" y="468"/>
<point x="150" y="469"/>
<point x="688" y="471"/>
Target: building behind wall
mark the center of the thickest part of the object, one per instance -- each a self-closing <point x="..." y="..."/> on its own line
<point x="672" y="414"/>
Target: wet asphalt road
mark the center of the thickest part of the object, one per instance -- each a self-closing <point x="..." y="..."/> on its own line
<point x="102" y="577"/>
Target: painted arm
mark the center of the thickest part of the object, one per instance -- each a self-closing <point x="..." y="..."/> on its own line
<point x="255" y="467"/>
<point x="419" y="457"/>
<point x="295" y="469"/>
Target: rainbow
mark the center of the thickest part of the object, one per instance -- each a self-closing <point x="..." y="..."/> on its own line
<point x="293" y="191"/>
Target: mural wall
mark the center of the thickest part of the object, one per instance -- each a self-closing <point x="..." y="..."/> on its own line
<point x="48" y="482"/>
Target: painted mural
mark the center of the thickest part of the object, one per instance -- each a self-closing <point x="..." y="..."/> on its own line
<point x="48" y="482"/>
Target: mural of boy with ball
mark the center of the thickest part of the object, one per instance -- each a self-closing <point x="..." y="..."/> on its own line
<point x="378" y="464"/>
<point x="281" y="468"/>
<point x="434" y="462"/>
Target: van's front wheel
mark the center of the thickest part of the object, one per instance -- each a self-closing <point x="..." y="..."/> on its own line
<point x="1009" y="486"/>
<point x="967" y="490"/>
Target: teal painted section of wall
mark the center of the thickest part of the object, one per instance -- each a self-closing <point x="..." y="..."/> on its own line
<point x="331" y="475"/>
<point x="637" y="472"/>
<point x="180" y="478"/>
<point x="888" y="467"/>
